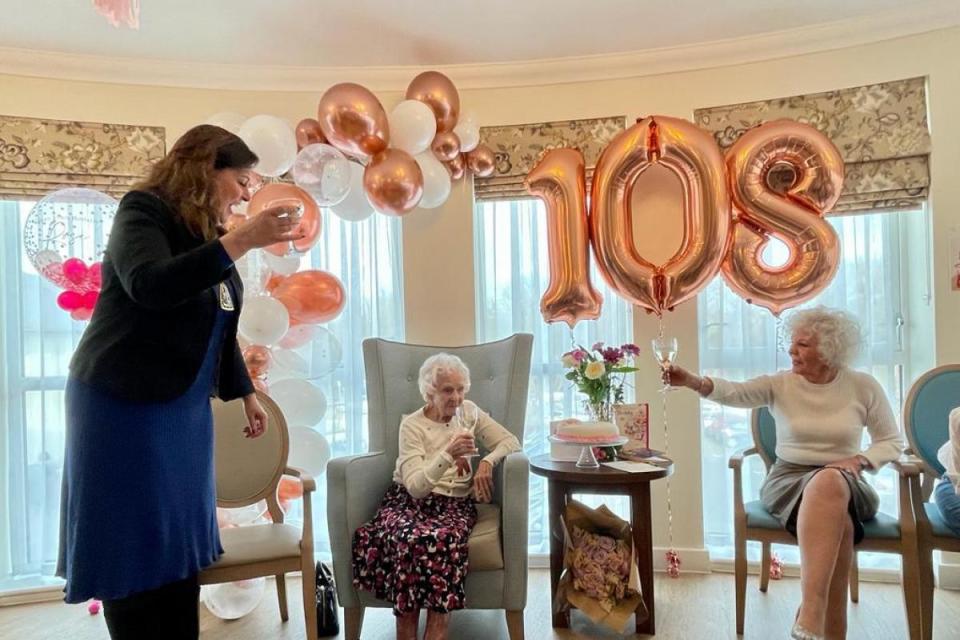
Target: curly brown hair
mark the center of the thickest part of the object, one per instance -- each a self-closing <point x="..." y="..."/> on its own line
<point x="185" y="177"/>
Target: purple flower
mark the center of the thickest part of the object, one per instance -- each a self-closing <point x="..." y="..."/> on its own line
<point x="630" y="349"/>
<point x="611" y="355"/>
<point x="598" y="346"/>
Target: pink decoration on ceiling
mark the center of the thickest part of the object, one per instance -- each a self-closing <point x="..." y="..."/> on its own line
<point x="120" y="12"/>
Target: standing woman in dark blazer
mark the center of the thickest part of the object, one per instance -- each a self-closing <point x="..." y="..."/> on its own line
<point x="138" y="509"/>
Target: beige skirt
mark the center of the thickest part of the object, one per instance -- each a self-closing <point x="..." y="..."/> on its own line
<point x="783" y="488"/>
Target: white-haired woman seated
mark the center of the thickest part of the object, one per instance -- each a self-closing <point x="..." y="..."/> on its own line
<point x="821" y="407"/>
<point x="414" y="551"/>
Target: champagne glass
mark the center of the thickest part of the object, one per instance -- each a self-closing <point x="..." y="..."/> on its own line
<point x="295" y="214"/>
<point x="467" y="418"/>
<point x="665" y="351"/>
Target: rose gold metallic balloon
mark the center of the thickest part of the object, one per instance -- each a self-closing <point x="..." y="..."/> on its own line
<point x="353" y="120"/>
<point x="258" y="360"/>
<point x="280" y="194"/>
<point x="309" y="132"/>
<point x="457" y="167"/>
<point x="439" y="93"/>
<point x="794" y="214"/>
<point x="393" y="182"/>
<point x="311" y="296"/>
<point x="693" y="156"/>
<point x="446" y="146"/>
<point x="481" y="161"/>
<point x="559" y="180"/>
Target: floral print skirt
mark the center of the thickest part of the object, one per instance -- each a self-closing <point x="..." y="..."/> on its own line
<point x="414" y="552"/>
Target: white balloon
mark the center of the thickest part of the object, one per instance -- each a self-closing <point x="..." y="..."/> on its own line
<point x="323" y="172"/>
<point x="309" y="450"/>
<point x="412" y="127"/>
<point x="284" y="265"/>
<point x="241" y="515"/>
<point x="264" y="320"/>
<point x="254" y="272"/>
<point x="274" y="142"/>
<point x="227" y="120"/>
<point x="287" y="364"/>
<point x="232" y="600"/>
<point x="300" y="401"/>
<point x="468" y="130"/>
<point x="355" y="207"/>
<point x="436" y="180"/>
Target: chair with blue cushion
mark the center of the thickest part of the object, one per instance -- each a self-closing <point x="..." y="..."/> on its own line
<point x="499" y="376"/>
<point x="884" y="533"/>
<point x="925" y="421"/>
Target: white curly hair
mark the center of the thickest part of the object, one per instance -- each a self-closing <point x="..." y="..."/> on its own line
<point x="436" y="364"/>
<point x="838" y="334"/>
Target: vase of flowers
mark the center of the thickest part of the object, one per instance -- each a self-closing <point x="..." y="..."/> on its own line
<point x="600" y="374"/>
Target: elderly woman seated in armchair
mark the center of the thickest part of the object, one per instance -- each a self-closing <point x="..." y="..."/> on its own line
<point x="414" y="551"/>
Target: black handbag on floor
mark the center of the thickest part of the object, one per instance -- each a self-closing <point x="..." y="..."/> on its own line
<point x="328" y="613"/>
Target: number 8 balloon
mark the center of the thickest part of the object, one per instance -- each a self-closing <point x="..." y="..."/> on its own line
<point x="795" y="216"/>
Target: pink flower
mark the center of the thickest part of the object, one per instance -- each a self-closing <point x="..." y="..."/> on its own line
<point x="597" y="346"/>
<point x="579" y="355"/>
<point x="630" y="349"/>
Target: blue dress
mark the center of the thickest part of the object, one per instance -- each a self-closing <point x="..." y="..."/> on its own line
<point x="138" y="509"/>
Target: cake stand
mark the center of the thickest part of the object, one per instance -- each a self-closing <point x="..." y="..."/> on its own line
<point x="587" y="460"/>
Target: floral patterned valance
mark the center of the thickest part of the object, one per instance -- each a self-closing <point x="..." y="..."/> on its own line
<point x="518" y="149"/>
<point x="40" y="156"/>
<point x="880" y="129"/>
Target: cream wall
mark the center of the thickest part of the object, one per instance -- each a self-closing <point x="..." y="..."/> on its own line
<point x="438" y="248"/>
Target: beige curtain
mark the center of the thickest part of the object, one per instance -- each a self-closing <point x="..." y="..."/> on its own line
<point x="518" y="149"/>
<point x="39" y="156"/>
<point x="880" y="129"/>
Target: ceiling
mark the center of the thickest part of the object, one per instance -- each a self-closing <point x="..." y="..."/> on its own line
<point x="384" y="34"/>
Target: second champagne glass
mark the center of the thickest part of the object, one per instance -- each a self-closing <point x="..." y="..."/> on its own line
<point x="467" y="417"/>
<point x="665" y="351"/>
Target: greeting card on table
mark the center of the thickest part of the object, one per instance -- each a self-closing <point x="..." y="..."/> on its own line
<point x="633" y="421"/>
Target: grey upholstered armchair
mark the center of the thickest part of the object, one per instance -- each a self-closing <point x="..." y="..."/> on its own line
<point x="499" y="375"/>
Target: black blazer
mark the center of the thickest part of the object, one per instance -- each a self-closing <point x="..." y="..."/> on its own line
<point x="153" y="321"/>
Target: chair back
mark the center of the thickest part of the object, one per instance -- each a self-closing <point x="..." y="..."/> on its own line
<point x="499" y="377"/>
<point x="927" y="410"/>
<point x="764" y="429"/>
<point x="248" y="469"/>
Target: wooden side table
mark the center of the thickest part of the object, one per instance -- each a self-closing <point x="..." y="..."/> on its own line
<point x="565" y="479"/>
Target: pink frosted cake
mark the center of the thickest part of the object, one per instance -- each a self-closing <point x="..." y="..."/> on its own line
<point x="587" y="432"/>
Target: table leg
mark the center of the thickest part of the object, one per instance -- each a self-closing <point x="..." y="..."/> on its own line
<point x="643" y="543"/>
<point x="558" y="499"/>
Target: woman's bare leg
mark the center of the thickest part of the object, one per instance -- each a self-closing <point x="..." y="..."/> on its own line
<point x="821" y="525"/>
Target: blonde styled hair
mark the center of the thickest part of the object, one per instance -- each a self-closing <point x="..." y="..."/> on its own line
<point x="185" y="177"/>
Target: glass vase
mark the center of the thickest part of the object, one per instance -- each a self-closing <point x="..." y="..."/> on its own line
<point x="599" y="411"/>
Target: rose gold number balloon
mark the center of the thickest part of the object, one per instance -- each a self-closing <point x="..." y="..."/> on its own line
<point x="559" y="180"/>
<point x="353" y="120"/>
<point x="794" y="216"/>
<point x="693" y="156"/>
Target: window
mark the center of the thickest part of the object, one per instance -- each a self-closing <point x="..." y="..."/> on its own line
<point x="512" y="272"/>
<point x="38" y="340"/>
<point x="740" y="341"/>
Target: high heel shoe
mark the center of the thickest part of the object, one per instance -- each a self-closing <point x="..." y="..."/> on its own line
<point x="799" y="633"/>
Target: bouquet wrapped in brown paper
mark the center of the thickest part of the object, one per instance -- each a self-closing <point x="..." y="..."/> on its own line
<point x="600" y="574"/>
